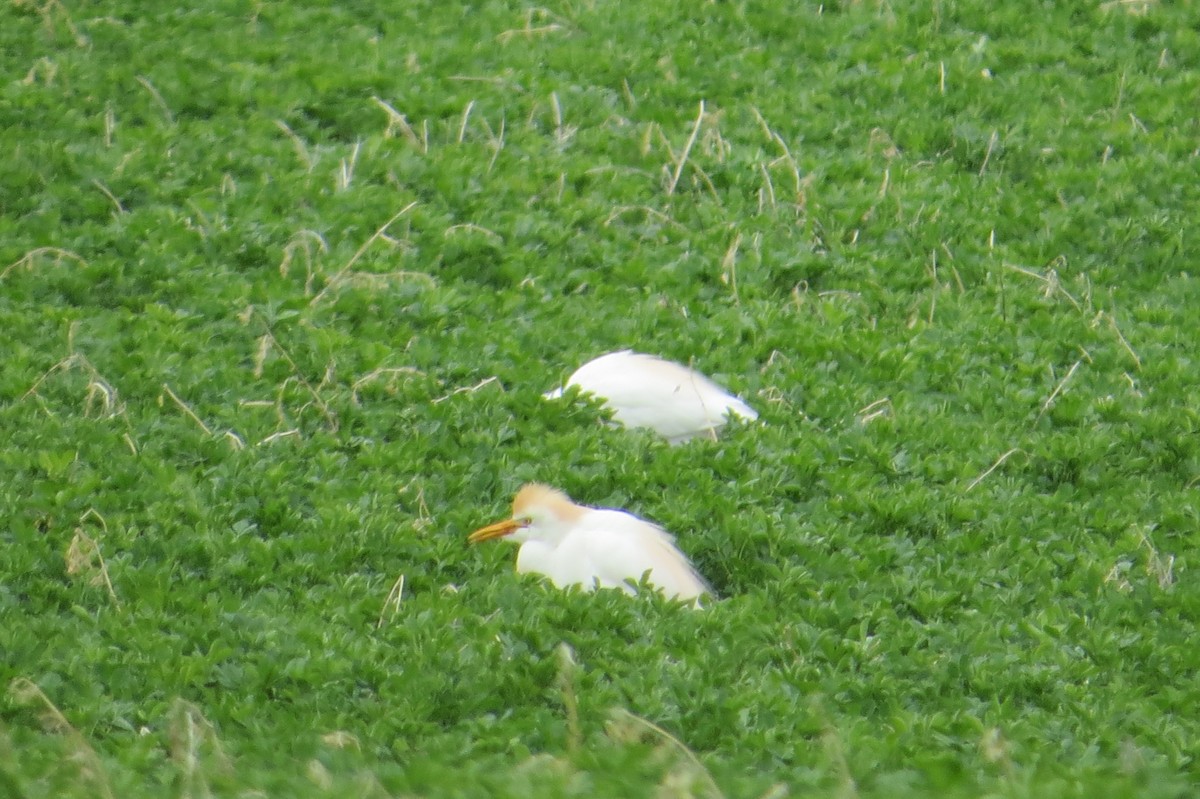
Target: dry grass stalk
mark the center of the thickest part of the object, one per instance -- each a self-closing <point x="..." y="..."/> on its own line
<point x="30" y="258"/>
<point x="566" y="686"/>
<point x="729" y="267"/>
<point x="158" y="99"/>
<point x="785" y="158"/>
<point x="882" y="141"/>
<point x="996" y="749"/>
<point x="562" y="133"/>
<point x="372" y="281"/>
<point x="91" y="769"/>
<point x="340" y="739"/>
<point x="234" y="440"/>
<point x="627" y="93"/>
<point x="1102" y="315"/>
<point x="992" y="468"/>
<point x="1162" y="569"/>
<point x="626" y="727"/>
<point x="303" y="241"/>
<point x="399" y="122"/>
<point x="298" y="144"/>
<point x="345" y="173"/>
<point x="647" y="143"/>
<point x="713" y="144"/>
<point x="424" y="518"/>
<point x="110" y="126"/>
<point x="333" y="281"/>
<point x="261" y="352"/>
<point x="621" y="210"/>
<point x="529" y="30"/>
<point x="47" y="69"/>
<point x="835" y="750"/>
<point x="319" y="775"/>
<point x="773" y="395"/>
<point x="468" y="227"/>
<point x="392" y="602"/>
<point x="687" y="149"/>
<point x="468" y="389"/>
<point x="50" y="11"/>
<point x="884" y="184"/>
<point x="494" y="80"/>
<point x="107" y="192"/>
<point x="282" y="434"/>
<point x="1116" y="576"/>
<point x="878" y="408"/>
<point x="993" y="140"/>
<point x="497" y="142"/>
<point x="708" y="184"/>
<point x="1052" y="285"/>
<point x="83" y="559"/>
<point x="1057" y="390"/>
<point x="187" y="410"/>
<point x="462" y="126"/>
<point x="1138" y="8"/>
<point x="1158" y="567"/>
<point x="281" y="418"/>
<point x="390" y="373"/>
<point x="268" y="338"/>
<point x="766" y="194"/>
<point x="189" y="732"/>
<point x="100" y="394"/>
<point x="204" y="226"/>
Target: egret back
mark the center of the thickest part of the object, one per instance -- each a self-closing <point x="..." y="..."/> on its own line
<point x="611" y="547"/>
<point x="644" y="391"/>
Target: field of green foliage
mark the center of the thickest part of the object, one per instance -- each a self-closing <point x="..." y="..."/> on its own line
<point x="281" y="286"/>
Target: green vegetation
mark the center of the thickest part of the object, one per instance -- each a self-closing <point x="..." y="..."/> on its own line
<point x="281" y="285"/>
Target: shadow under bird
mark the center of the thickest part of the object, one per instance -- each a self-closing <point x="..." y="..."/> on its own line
<point x="646" y="391"/>
<point x="593" y="547"/>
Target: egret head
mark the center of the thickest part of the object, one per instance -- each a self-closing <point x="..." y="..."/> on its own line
<point x="540" y="513"/>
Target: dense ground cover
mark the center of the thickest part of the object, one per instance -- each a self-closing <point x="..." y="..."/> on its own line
<point x="281" y="285"/>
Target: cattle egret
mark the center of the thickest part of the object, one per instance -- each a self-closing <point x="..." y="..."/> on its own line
<point x="644" y="391"/>
<point x="589" y="547"/>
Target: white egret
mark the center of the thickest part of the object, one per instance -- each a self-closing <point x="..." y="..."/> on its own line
<point x="644" y="391"/>
<point x="589" y="547"/>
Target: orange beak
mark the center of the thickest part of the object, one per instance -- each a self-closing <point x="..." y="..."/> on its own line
<point x="497" y="530"/>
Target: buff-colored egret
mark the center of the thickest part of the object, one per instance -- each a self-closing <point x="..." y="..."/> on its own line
<point x="592" y="547"/>
<point x="645" y="391"/>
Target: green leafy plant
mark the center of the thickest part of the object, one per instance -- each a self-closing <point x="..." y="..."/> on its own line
<point x="281" y="287"/>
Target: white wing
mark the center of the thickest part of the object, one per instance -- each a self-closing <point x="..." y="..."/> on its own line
<point x="644" y="391"/>
<point x="611" y="547"/>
